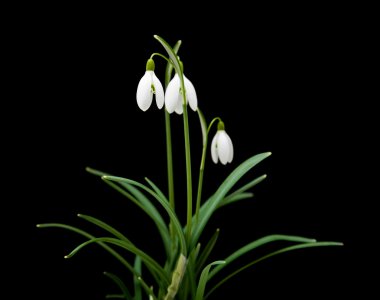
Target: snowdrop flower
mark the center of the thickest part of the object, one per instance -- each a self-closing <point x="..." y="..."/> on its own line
<point x="221" y="146"/>
<point x="149" y="84"/>
<point x="173" y="96"/>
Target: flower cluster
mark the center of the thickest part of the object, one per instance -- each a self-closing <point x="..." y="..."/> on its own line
<point x="221" y="147"/>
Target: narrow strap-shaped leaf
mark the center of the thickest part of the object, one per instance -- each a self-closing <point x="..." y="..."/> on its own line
<point x="156" y="189"/>
<point x="136" y="281"/>
<point x="152" y="265"/>
<point x="96" y="172"/>
<point x="204" y="278"/>
<point x="207" y="250"/>
<point x="224" y="188"/>
<point x="153" y="212"/>
<point x="248" y="186"/>
<point x="164" y="204"/>
<point x="234" y="198"/>
<point x="258" y="243"/>
<point x="141" y="201"/>
<point x="290" y="248"/>
<point x="191" y="270"/>
<point x="105" y="226"/>
<point x="120" y="284"/>
<point x="91" y="237"/>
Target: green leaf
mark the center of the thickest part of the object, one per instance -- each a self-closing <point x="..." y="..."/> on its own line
<point x="96" y="172"/>
<point x="203" y="122"/>
<point x="91" y="237"/>
<point x="206" y="252"/>
<point x="136" y="281"/>
<point x="204" y="278"/>
<point x="212" y="204"/>
<point x="151" y="210"/>
<point x="232" y="199"/>
<point x="157" y="190"/>
<point x="191" y="270"/>
<point x="120" y="284"/>
<point x="247" y="186"/>
<point x="106" y="227"/>
<point x="290" y="248"/>
<point x="258" y="243"/>
<point x="172" y="54"/>
<point x="141" y="201"/>
<point x="164" y="204"/>
<point x="152" y="265"/>
<point x="169" y="67"/>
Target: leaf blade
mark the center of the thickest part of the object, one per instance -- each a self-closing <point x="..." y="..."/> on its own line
<point x="105" y="226"/>
<point x="152" y="265"/>
<point x="164" y="204"/>
<point x="204" y="278"/>
<point x="257" y="243"/>
<point x="211" y="205"/>
<point x="283" y="250"/>
<point x="207" y="250"/>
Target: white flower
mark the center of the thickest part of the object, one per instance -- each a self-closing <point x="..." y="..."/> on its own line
<point x="173" y="96"/>
<point x="149" y="84"/>
<point x="222" y="148"/>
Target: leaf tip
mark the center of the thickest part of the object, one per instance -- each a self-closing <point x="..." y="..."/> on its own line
<point x="66" y="257"/>
<point x="79" y="215"/>
<point x="38" y="225"/>
<point x="104" y="177"/>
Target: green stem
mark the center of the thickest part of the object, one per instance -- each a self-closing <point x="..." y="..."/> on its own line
<point x="169" y="156"/>
<point x="200" y="180"/>
<point x="162" y="56"/>
<point x="201" y="170"/>
<point x="169" y="152"/>
<point x="188" y="161"/>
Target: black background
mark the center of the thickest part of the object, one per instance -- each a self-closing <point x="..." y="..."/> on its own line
<point x="280" y="80"/>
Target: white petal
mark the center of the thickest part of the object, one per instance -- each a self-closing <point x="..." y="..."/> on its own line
<point x="160" y="98"/>
<point x="231" y="148"/>
<point x="214" y="152"/>
<point x="179" y="108"/>
<point x="171" y="95"/>
<point x="223" y="147"/>
<point x="191" y="94"/>
<point x="144" y="93"/>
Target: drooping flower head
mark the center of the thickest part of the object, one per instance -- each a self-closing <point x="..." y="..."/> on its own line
<point x="173" y="96"/>
<point x="149" y="84"/>
<point x="221" y="146"/>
